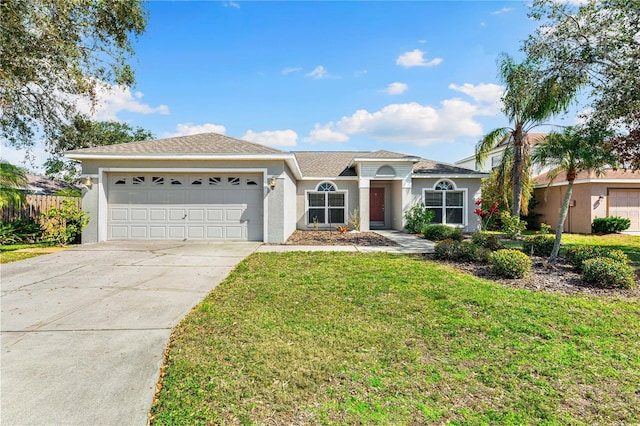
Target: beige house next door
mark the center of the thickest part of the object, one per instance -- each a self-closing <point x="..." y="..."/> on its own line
<point x="626" y="203"/>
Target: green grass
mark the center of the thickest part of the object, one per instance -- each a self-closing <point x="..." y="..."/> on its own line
<point x="8" y="252"/>
<point x="352" y="338"/>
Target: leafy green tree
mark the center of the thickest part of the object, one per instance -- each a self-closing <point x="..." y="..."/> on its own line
<point x="55" y="51"/>
<point x="13" y="180"/>
<point x="596" y="43"/>
<point x="84" y="133"/>
<point x="571" y="152"/>
<point x="527" y="102"/>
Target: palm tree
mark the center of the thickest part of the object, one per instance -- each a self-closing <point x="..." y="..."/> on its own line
<point x="572" y="152"/>
<point x="13" y="180"/>
<point x="528" y="101"/>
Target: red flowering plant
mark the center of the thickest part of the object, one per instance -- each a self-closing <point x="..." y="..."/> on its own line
<point x="486" y="215"/>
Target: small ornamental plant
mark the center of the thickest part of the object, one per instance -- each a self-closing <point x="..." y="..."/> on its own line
<point x="486" y="215"/>
<point x="510" y="263"/>
<point x="441" y="232"/>
<point x="610" y="225"/>
<point x="487" y="240"/>
<point x="461" y="251"/>
<point x="577" y="255"/>
<point x="608" y="273"/>
<point x="342" y="228"/>
<point x="538" y="245"/>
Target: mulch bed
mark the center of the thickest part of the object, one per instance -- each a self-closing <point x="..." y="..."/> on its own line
<point x="545" y="276"/>
<point x="335" y="238"/>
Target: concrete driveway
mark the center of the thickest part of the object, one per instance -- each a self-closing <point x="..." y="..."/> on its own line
<point x="83" y="331"/>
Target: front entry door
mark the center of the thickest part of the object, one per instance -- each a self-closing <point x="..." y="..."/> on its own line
<point x="376" y="206"/>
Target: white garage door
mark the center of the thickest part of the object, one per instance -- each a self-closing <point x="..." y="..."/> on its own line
<point x="626" y="203"/>
<point x="164" y="206"/>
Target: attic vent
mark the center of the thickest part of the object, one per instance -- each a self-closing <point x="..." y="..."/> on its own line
<point x="386" y="171"/>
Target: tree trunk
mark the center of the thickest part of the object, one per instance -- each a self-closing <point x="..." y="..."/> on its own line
<point x="563" y="216"/>
<point x="518" y="170"/>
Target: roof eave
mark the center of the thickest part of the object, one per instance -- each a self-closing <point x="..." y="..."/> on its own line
<point x="450" y="175"/>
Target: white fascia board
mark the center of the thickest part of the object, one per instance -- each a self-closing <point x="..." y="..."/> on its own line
<point x="441" y="176"/>
<point x="592" y="180"/>
<point x="292" y="162"/>
<point x="175" y="156"/>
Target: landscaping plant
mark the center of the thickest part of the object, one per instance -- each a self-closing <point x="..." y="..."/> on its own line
<point x="20" y="231"/>
<point x="64" y="225"/>
<point x="538" y="245"/>
<point x="510" y="263"/>
<point x="608" y="273"/>
<point x="417" y="217"/>
<point x="354" y="220"/>
<point x="512" y="226"/>
<point x="577" y="255"/>
<point x="487" y="240"/>
<point x="610" y="225"/>
<point x="441" y="232"/>
<point x="486" y="215"/>
<point x="461" y="251"/>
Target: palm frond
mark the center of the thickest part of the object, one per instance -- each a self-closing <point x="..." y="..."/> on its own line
<point x="489" y="142"/>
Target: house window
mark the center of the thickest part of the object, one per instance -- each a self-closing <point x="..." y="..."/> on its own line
<point x="326" y="205"/>
<point x="446" y="202"/>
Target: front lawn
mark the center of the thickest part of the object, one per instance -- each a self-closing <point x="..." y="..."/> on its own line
<point x="630" y="244"/>
<point x="352" y="338"/>
<point x="9" y="253"/>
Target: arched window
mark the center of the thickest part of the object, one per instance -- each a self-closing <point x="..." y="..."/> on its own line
<point x="326" y="205"/>
<point x="447" y="202"/>
<point x="386" y="171"/>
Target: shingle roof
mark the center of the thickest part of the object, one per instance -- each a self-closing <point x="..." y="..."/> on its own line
<point x="205" y="143"/>
<point x="429" y="167"/>
<point x="326" y="163"/>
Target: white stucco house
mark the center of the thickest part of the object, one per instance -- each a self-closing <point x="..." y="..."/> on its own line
<point x="214" y="187"/>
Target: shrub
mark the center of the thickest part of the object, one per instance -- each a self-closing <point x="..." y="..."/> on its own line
<point x="538" y="245"/>
<point x="510" y="263"/>
<point x="64" y="225"/>
<point x="608" y="273"/>
<point x="486" y="240"/>
<point x="417" y="217"/>
<point x="512" y="225"/>
<point x="577" y="255"/>
<point x="544" y="229"/>
<point x="20" y="231"/>
<point x="610" y="225"/>
<point x="460" y="250"/>
<point x="354" y="219"/>
<point x="441" y="232"/>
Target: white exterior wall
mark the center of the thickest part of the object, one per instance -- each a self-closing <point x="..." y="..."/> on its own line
<point x="472" y="186"/>
<point x="353" y="198"/>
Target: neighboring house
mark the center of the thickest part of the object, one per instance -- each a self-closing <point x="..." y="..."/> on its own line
<point x="42" y="185"/>
<point x="615" y="193"/>
<point x="213" y="187"/>
<point x="495" y="157"/>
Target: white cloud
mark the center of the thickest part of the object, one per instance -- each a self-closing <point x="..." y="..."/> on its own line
<point x="415" y="58"/>
<point x="396" y="88"/>
<point x="318" y="72"/>
<point x="33" y="160"/>
<point x="111" y="100"/>
<point x="501" y="11"/>
<point x="232" y="4"/>
<point x="289" y="70"/>
<point x="483" y="92"/>
<point x="422" y="41"/>
<point x="326" y="133"/>
<point x="186" y="129"/>
<point x="483" y="24"/>
<point x="359" y="73"/>
<point x="408" y="123"/>
<point x="272" y="137"/>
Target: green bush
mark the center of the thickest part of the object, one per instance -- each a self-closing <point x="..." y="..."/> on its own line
<point x="577" y="255"/>
<point x="487" y="240"/>
<point x="538" y="245"/>
<point x="20" y="231"/>
<point x="610" y="225"/>
<point x="441" y="232"/>
<point x="417" y="217"/>
<point x="608" y="273"/>
<point x="510" y="263"/>
<point x="460" y="250"/>
<point x="512" y="225"/>
<point x="64" y="225"/>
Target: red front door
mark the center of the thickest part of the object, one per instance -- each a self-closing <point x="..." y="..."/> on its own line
<point x="376" y="204"/>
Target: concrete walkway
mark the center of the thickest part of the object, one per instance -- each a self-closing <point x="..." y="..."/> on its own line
<point x="83" y="331"/>
<point x="408" y="244"/>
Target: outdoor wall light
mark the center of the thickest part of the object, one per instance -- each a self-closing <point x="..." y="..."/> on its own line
<point x="88" y="182"/>
<point x="600" y="198"/>
<point x="272" y="182"/>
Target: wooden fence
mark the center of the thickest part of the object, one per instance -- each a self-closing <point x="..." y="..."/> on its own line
<point x="33" y="206"/>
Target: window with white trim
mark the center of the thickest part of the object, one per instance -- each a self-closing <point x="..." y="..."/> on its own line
<point x="326" y="205"/>
<point x="447" y="202"/>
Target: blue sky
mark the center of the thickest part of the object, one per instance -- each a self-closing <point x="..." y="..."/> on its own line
<point x="412" y="77"/>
